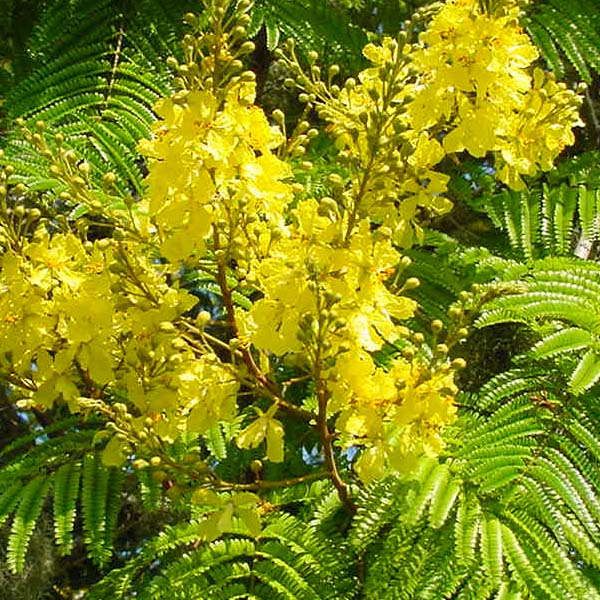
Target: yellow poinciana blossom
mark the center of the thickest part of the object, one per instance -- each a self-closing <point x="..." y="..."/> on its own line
<point x="313" y="262"/>
<point x="476" y="81"/>
<point x="468" y="84"/>
<point x="395" y="414"/>
<point x="265" y="427"/>
<point x="213" y="164"/>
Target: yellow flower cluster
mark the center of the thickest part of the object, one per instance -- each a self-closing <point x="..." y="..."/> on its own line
<point x="212" y="168"/>
<point x="398" y="413"/>
<point x="80" y="321"/>
<point x="477" y="91"/>
<point x="468" y="84"/>
<point x="392" y="163"/>
<point x="313" y="274"/>
<point x="325" y="300"/>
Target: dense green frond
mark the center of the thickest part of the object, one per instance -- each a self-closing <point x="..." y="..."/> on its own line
<point x="23" y="442"/>
<point x="288" y="560"/>
<point x="98" y="70"/>
<point x="47" y="455"/>
<point x="560" y="300"/>
<point x="100" y="489"/>
<point x="584" y="430"/>
<point x="565" y="340"/>
<point x="556" y="216"/>
<point x="542" y="222"/>
<point x="66" y="492"/>
<point x="547" y="46"/>
<point x="518" y="214"/>
<point x="377" y="507"/>
<point x="508" y="385"/>
<point x="571" y="29"/>
<point x="432" y="486"/>
<point x="150" y="490"/>
<point x="30" y="506"/>
<point x="314" y="25"/>
<point x="9" y="499"/>
<point x="520" y="492"/>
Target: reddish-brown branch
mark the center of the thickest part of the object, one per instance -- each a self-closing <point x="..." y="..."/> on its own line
<point x="265" y="383"/>
<point x="265" y="484"/>
<point x="327" y="438"/>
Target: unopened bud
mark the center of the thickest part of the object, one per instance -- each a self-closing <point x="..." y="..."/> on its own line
<point x="70" y="156"/>
<point x="278" y="116"/>
<point x="167" y="327"/>
<point x="191" y="19"/>
<point x="247" y="47"/>
<point x="410" y="284"/>
<point x="455" y="312"/>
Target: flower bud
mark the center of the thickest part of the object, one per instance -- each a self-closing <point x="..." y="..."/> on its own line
<point x="203" y="318"/>
<point x="109" y="178"/>
<point x="247" y="47"/>
<point x="459" y="363"/>
<point x="436" y="326"/>
<point x="191" y="19"/>
<point x="410" y="284"/>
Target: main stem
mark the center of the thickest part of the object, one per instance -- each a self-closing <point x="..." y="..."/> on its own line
<point x="269" y="386"/>
<point x="327" y="438"/>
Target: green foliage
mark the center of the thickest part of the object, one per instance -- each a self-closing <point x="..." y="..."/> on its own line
<point x="288" y="560"/>
<point x="66" y="492"/>
<point x="558" y="299"/>
<point x="314" y="25"/>
<point x="98" y="69"/>
<point x="513" y="507"/>
<point x="57" y="459"/>
<point x="556" y="217"/>
<point x="567" y="34"/>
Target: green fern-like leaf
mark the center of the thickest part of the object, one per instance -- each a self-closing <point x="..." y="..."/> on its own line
<point x="565" y="340"/>
<point x="29" y="509"/>
<point x="315" y="25"/>
<point x="509" y="536"/>
<point x="66" y="492"/>
<point x="569" y="29"/>
<point x="287" y="560"/>
<point x="98" y="70"/>
<point x="96" y="483"/>
<point x="586" y="373"/>
<point x="561" y="303"/>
